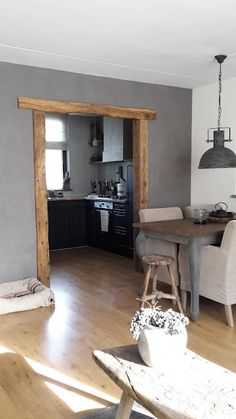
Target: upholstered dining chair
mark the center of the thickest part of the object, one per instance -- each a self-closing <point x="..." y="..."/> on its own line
<point x="184" y="270"/>
<point x="162" y="247"/>
<point x="188" y="211"/>
<point x="218" y="271"/>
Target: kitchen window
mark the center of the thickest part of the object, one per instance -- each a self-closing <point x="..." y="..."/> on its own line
<point x="56" y="151"/>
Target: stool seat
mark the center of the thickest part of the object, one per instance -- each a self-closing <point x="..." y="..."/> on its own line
<point x="157" y="260"/>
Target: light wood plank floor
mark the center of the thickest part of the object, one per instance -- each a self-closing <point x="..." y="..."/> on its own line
<point x="46" y="368"/>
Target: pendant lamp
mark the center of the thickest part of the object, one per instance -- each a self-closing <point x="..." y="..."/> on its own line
<point x="219" y="156"/>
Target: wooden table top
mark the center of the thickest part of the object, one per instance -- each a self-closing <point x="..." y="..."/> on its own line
<point x="201" y="389"/>
<point x="183" y="227"/>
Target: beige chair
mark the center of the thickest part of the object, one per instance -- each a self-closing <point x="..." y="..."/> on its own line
<point x="218" y="271"/>
<point x="162" y="247"/>
<point x="188" y="211"/>
<point x="184" y="270"/>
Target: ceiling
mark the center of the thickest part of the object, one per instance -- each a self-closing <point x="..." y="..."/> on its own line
<point x="170" y="42"/>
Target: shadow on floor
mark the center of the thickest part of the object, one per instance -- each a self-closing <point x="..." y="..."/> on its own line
<point x="110" y="413"/>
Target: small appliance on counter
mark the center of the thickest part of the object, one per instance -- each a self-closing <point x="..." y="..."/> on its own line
<point x="121" y="189"/>
<point x="120" y="186"/>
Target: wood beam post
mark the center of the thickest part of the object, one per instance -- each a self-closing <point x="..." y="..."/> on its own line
<point x="140" y="162"/>
<point x="41" y="212"/>
<point x="45" y="105"/>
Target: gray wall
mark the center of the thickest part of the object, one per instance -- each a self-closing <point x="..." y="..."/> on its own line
<point x="108" y="171"/>
<point x="169" y="148"/>
<point x="81" y="171"/>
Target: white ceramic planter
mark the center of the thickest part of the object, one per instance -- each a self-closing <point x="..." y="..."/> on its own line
<point x="161" y="350"/>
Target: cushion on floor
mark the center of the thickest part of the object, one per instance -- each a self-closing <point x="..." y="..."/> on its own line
<point x="25" y="294"/>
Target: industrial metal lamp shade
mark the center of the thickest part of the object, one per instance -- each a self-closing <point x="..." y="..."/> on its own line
<point x="219" y="156"/>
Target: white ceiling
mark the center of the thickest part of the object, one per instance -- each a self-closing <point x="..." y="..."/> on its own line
<point x="171" y="42"/>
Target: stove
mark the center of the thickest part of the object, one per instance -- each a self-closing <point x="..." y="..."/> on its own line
<point x="111" y="198"/>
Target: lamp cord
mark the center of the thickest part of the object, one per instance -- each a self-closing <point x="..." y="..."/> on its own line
<point x="219" y="102"/>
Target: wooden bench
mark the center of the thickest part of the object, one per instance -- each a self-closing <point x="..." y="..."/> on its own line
<point x="200" y="389"/>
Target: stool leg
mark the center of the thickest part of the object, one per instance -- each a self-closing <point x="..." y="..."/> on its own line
<point x="145" y="287"/>
<point x="173" y="301"/>
<point x="174" y="287"/>
<point x="154" y="282"/>
<point x="184" y="299"/>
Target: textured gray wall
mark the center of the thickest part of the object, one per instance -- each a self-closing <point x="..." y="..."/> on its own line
<point x="169" y="148"/>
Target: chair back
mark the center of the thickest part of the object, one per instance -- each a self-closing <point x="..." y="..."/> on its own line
<point x="160" y="214"/>
<point x="188" y="211"/>
<point x="228" y="244"/>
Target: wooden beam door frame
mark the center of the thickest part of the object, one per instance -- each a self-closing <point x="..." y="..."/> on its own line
<point x="38" y="107"/>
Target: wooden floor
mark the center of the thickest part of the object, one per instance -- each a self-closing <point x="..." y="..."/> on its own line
<point x="46" y="368"/>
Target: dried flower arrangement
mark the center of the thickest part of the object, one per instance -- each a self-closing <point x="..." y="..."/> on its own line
<point x="169" y="320"/>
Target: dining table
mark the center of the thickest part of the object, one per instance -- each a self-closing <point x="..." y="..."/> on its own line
<point x="183" y="231"/>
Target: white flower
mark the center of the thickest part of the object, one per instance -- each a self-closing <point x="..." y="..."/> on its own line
<point x="171" y="320"/>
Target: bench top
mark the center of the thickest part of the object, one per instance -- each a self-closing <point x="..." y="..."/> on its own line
<point x="199" y="389"/>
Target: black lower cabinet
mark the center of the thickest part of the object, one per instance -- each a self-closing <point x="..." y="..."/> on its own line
<point x="75" y="223"/>
<point x="122" y="230"/>
<point x="95" y="236"/>
<point x="67" y="224"/>
<point x="118" y="239"/>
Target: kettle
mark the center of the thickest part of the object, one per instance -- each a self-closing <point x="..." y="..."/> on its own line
<point x="220" y="212"/>
<point x="121" y="188"/>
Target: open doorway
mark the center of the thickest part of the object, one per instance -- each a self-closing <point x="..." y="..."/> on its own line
<point x="139" y="119"/>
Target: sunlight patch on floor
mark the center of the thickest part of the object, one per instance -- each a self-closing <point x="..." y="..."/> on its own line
<point x="64" y="379"/>
<point x="59" y="317"/>
<point x="4" y="350"/>
<point x="76" y="402"/>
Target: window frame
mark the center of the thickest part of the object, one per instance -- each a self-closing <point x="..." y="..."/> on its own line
<point x="59" y="145"/>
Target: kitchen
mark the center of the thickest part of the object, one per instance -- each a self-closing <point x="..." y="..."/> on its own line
<point x="92" y="205"/>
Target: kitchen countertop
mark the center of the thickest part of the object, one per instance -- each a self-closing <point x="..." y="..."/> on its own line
<point x="67" y="198"/>
<point x="94" y="197"/>
<point x="88" y="197"/>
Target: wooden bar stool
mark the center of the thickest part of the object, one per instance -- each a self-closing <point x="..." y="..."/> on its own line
<point x="153" y="263"/>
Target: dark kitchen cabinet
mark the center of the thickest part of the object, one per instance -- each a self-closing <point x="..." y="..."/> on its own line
<point x="95" y="236"/>
<point x="122" y="230"/>
<point x="66" y="224"/>
<point x="118" y="239"/>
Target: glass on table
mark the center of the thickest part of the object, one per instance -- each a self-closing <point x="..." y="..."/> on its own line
<point x="200" y="216"/>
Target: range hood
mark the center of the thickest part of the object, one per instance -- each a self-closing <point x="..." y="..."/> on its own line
<point x="117" y="139"/>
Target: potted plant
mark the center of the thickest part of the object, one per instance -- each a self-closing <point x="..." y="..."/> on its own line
<point x="161" y="336"/>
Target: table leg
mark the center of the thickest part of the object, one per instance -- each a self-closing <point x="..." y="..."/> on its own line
<point x="140" y="243"/>
<point x="194" y="252"/>
<point x="125" y="406"/>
